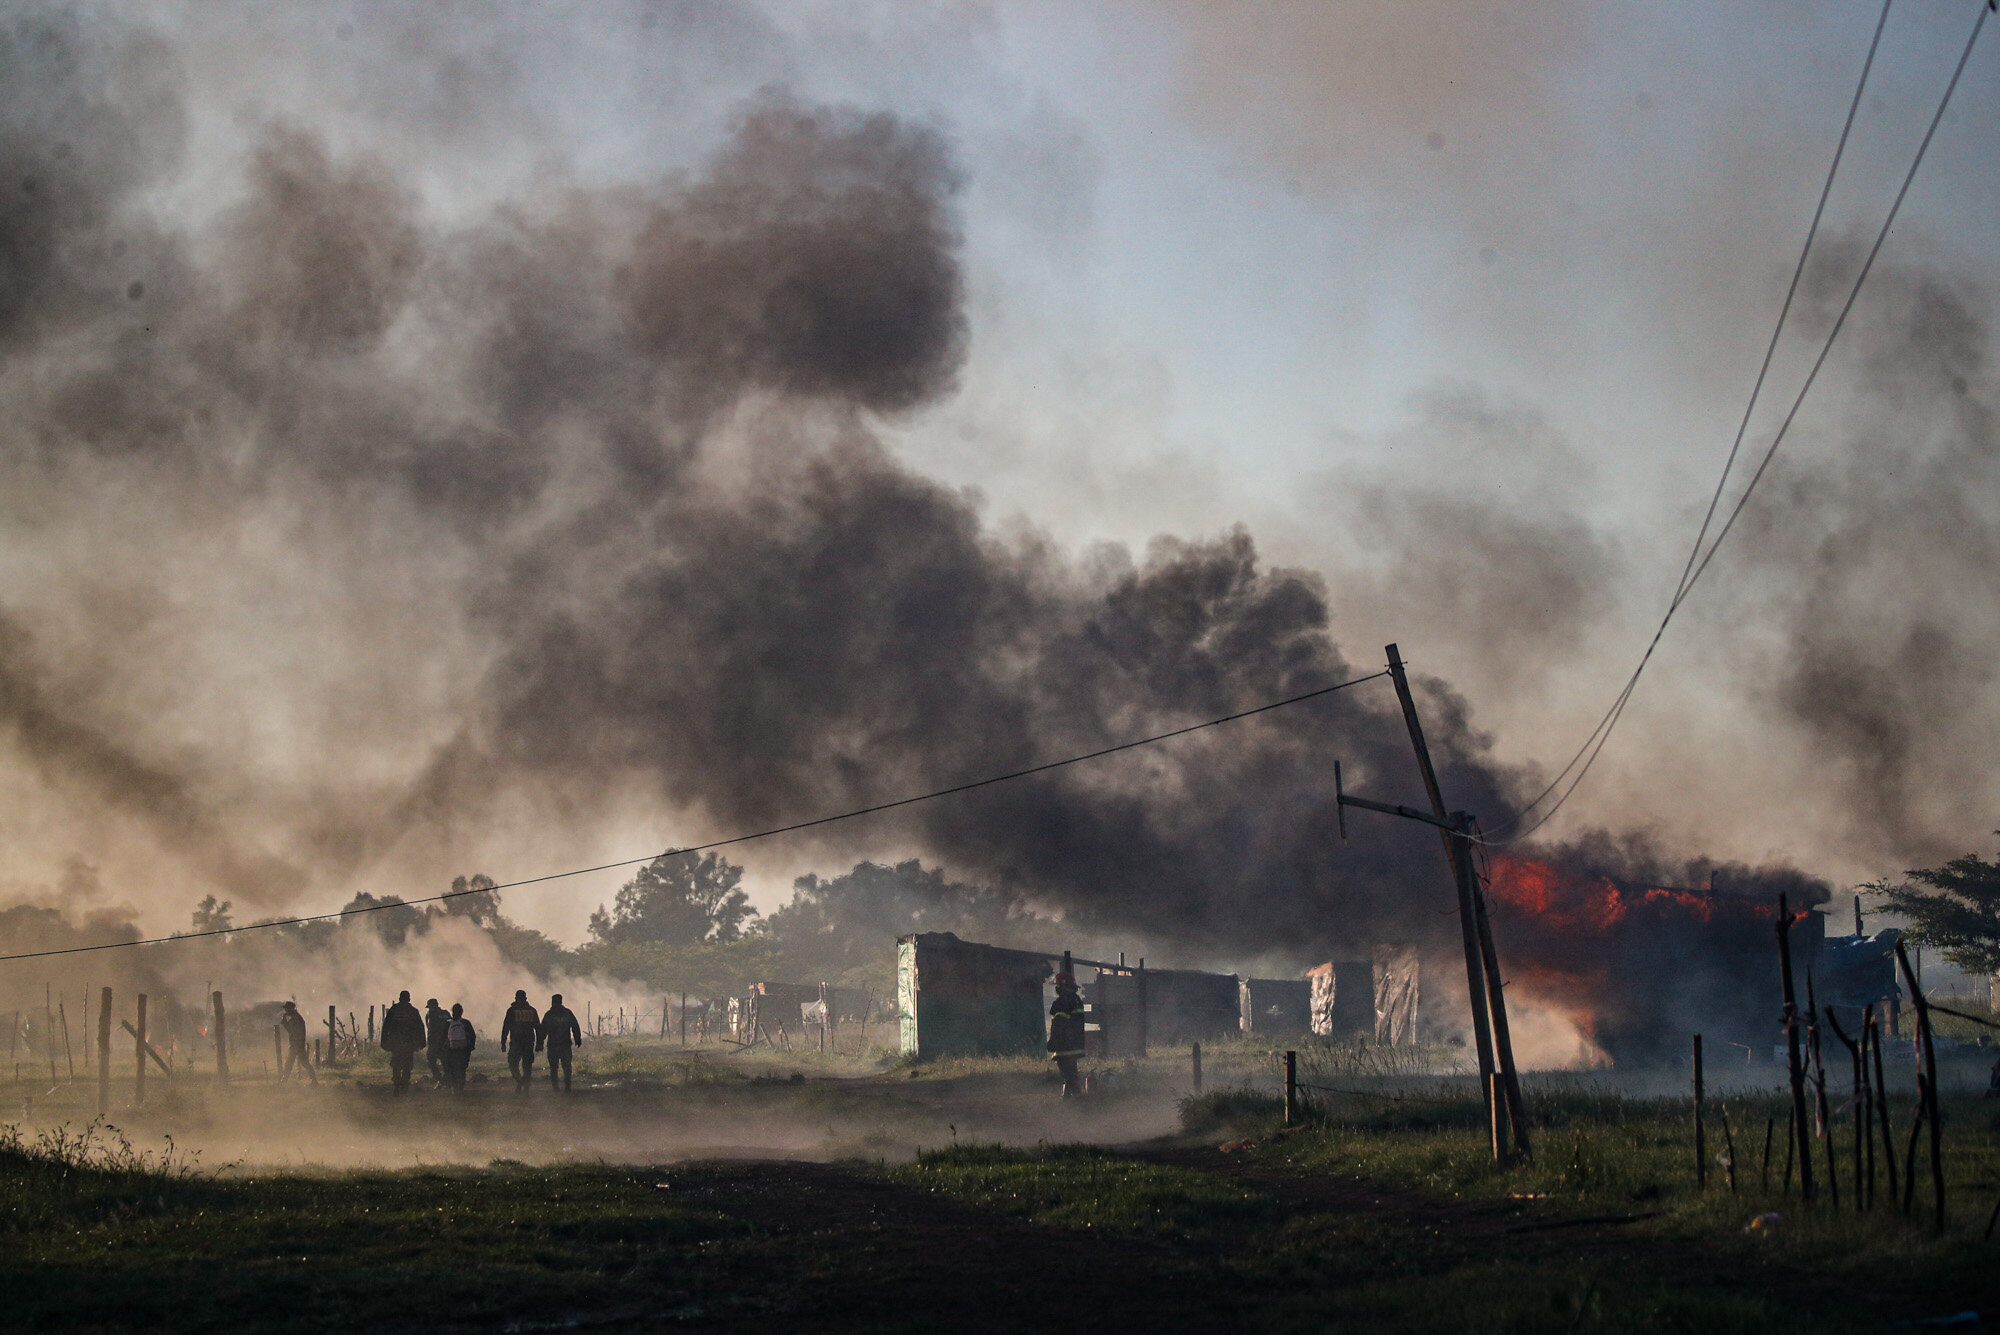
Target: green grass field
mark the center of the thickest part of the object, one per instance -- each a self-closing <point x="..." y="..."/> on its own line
<point x="1378" y="1213"/>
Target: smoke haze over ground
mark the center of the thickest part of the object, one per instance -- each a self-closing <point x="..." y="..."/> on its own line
<point x="524" y="442"/>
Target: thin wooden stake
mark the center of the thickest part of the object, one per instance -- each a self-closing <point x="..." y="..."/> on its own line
<point x="1927" y="1050"/>
<point x="1882" y="1116"/>
<point x="1824" y="1122"/>
<point x="1910" y="1154"/>
<point x="1700" y="1131"/>
<point x="139" y="1054"/>
<point x="1728" y="1149"/>
<point x="1764" y="1174"/>
<point x="1801" y="1134"/>
<point x="1291" y="1087"/>
<point x="68" y="1056"/>
<point x="220" y="1030"/>
<point x="104" y="1052"/>
<point x="1791" y="1149"/>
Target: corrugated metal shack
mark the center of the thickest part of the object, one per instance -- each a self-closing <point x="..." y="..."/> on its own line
<point x="960" y="998"/>
<point x="1275" y="1005"/>
<point x="964" y="998"/>
<point x="1131" y="1007"/>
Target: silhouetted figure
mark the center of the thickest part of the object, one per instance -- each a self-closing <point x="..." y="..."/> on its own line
<point x="294" y="1026"/>
<point x="520" y="1035"/>
<point x="403" y="1036"/>
<point x="435" y="1020"/>
<point x="560" y="1033"/>
<point x="459" y="1040"/>
<point x="1066" y="1032"/>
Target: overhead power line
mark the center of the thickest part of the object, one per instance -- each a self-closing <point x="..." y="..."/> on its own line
<point x="1699" y="558"/>
<point x="712" y="844"/>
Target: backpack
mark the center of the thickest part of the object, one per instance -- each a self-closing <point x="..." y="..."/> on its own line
<point x="458" y="1035"/>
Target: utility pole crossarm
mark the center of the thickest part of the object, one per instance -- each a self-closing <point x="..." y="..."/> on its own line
<point x="1407" y="813"/>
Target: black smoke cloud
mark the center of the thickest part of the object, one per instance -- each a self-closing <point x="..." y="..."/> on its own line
<point x="581" y="499"/>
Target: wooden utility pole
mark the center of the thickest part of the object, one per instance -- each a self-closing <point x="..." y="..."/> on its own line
<point x="1496" y="1000"/>
<point x="1801" y="1132"/>
<point x="221" y="1040"/>
<point x="139" y="1054"/>
<point x="104" y="1052"/>
<point x="1475" y="983"/>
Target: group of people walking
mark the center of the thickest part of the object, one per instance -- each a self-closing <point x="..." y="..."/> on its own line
<point x="448" y="1039"/>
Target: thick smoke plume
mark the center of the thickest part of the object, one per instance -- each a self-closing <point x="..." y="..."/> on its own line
<point x="580" y="499"/>
<point x="357" y="540"/>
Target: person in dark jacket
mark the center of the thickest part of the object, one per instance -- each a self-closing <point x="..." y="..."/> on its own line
<point x="459" y="1040"/>
<point x="1066" y="1032"/>
<point x="560" y="1033"/>
<point x="435" y="1020"/>
<point x="403" y="1036"/>
<point x="293" y="1025"/>
<point x="520" y="1035"/>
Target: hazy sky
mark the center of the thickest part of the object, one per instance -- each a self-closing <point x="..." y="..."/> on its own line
<point x="1454" y="304"/>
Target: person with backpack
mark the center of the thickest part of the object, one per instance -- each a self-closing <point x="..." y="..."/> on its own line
<point x="560" y="1033"/>
<point x="402" y="1038"/>
<point x="459" y="1041"/>
<point x="520" y="1035"/>
<point x="435" y="1020"/>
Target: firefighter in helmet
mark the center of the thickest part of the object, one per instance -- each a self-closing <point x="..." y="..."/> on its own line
<point x="1066" y="1032"/>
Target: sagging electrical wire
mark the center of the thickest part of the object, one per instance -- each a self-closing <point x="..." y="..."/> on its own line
<point x="1699" y="560"/>
<point x="716" y="843"/>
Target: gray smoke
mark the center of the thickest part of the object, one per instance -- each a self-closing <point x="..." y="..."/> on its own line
<point x="1882" y="566"/>
<point x="520" y="516"/>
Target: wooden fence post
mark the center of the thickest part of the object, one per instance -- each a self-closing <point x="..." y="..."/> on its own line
<point x="1927" y="1081"/>
<point x="1700" y="1130"/>
<point x="104" y="1052"/>
<point x="1291" y="1087"/>
<point x="139" y="1054"/>
<point x="221" y="1040"/>
<point x="1799" y="1131"/>
<point x="69" y="1054"/>
<point x="1882" y="1116"/>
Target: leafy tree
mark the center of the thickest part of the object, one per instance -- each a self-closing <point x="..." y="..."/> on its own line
<point x="391" y="918"/>
<point x="677" y="899"/>
<point x="1955" y="907"/>
<point x="844" y="928"/>
<point x="212" y="915"/>
<point x="482" y="910"/>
